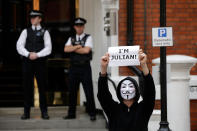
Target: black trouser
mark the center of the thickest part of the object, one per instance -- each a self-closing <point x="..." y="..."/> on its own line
<point x="35" y="68"/>
<point x="82" y="74"/>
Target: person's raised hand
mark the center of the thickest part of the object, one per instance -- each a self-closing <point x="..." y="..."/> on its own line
<point x="142" y="57"/>
<point x="104" y="63"/>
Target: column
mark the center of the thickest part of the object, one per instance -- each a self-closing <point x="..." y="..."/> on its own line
<point x="178" y="101"/>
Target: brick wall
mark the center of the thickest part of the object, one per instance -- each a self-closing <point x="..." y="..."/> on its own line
<point x="181" y="15"/>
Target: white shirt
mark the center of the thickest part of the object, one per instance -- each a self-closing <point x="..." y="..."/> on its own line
<point x="20" y="46"/>
<point x="88" y="42"/>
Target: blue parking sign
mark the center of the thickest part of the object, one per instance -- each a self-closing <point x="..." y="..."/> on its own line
<point x="162" y="32"/>
<point x="162" y="36"/>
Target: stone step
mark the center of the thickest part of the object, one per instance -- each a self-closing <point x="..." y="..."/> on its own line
<point x="10" y="120"/>
<point x="6" y="80"/>
<point x="61" y="130"/>
<point x="50" y="124"/>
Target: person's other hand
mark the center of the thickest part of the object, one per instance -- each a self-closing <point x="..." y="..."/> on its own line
<point x="33" y="56"/>
<point x="78" y="47"/>
<point x="143" y="62"/>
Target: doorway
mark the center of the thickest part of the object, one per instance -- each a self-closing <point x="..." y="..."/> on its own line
<point x="58" y="17"/>
<point x="13" y="19"/>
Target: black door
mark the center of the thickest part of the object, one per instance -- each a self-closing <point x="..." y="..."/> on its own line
<point x="13" y="19"/>
<point x="58" y="17"/>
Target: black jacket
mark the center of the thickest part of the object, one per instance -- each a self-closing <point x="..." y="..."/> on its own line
<point x="122" y="118"/>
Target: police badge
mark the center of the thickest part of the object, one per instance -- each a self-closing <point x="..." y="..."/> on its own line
<point x="38" y="33"/>
<point x="77" y="42"/>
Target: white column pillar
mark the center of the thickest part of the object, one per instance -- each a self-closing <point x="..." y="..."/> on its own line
<point x="92" y="11"/>
<point x="112" y="7"/>
<point x="178" y="91"/>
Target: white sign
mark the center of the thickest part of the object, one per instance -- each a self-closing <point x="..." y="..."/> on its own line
<point x="123" y="56"/>
<point x="162" y="36"/>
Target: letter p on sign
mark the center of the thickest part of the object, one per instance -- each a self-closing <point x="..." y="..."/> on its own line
<point x="162" y="32"/>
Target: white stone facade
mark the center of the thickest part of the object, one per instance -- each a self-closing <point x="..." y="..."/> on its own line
<point x="95" y="11"/>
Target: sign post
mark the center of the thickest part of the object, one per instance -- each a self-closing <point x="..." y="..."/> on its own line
<point x="163" y="33"/>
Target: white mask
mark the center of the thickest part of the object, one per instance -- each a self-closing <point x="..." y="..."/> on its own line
<point x="127" y="90"/>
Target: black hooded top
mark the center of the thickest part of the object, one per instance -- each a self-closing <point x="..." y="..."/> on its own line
<point x="121" y="117"/>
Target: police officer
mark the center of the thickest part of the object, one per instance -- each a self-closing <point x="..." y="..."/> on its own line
<point x="80" y="48"/>
<point x="34" y="45"/>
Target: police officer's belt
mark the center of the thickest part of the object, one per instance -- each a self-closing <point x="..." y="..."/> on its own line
<point x="79" y="63"/>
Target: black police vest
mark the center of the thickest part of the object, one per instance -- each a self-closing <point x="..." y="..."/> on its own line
<point x="80" y="58"/>
<point x="35" y="40"/>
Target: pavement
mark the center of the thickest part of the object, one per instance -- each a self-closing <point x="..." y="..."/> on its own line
<point x="10" y="121"/>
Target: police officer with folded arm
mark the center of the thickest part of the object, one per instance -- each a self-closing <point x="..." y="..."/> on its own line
<point x="80" y="48"/>
<point x="34" y="45"/>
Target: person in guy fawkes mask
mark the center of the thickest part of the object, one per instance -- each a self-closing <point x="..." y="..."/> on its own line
<point x="128" y="115"/>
